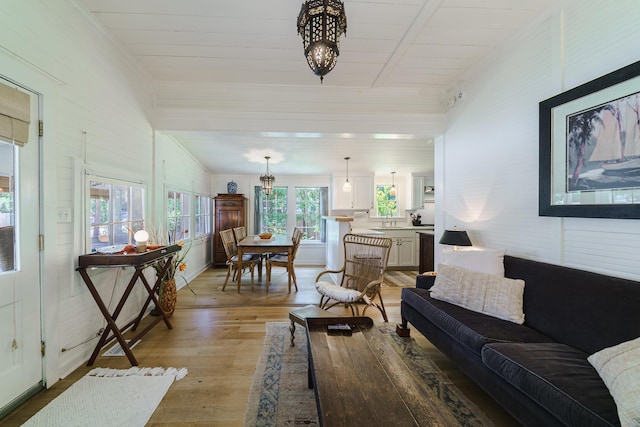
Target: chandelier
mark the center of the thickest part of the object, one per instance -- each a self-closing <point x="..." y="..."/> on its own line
<point x="321" y="23"/>
<point x="267" y="179"/>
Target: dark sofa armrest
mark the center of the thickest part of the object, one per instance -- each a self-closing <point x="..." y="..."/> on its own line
<point x="425" y="281"/>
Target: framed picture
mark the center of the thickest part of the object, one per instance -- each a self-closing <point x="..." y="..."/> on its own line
<point x="590" y="148"/>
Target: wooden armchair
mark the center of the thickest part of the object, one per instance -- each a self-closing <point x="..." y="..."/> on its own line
<point x="282" y="260"/>
<point x="365" y="260"/>
<point x="231" y="250"/>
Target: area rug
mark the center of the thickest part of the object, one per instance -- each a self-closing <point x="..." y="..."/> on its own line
<point x="109" y="397"/>
<point x="279" y="395"/>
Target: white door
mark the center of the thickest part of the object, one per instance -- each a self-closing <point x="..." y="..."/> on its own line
<point x="21" y="362"/>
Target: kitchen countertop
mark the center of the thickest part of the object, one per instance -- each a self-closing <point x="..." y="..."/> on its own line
<point x="381" y="230"/>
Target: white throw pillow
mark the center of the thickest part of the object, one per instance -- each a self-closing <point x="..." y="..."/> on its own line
<point x="485" y="293"/>
<point x="484" y="260"/>
<point x="619" y="368"/>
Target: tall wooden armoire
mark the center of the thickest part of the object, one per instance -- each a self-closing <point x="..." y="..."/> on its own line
<point x="230" y="211"/>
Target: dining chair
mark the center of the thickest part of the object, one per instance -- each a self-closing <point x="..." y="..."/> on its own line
<point x="282" y="259"/>
<point x="240" y="233"/>
<point x="231" y="250"/>
<point x="361" y="276"/>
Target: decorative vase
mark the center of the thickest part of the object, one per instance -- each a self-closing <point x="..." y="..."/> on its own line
<point x="232" y="187"/>
<point x="168" y="296"/>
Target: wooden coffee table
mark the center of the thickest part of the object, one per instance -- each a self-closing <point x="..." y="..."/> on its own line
<point x="360" y="380"/>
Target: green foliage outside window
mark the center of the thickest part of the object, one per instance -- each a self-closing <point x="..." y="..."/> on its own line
<point x="387" y="205"/>
<point x="274" y="210"/>
<point x="309" y="212"/>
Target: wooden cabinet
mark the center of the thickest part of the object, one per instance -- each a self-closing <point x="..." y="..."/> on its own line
<point x="426" y="253"/>
<point x="361" y="195"/>
<point x="230" y="211"/>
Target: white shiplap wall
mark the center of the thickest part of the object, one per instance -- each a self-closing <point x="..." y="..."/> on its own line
<point x="96" y="107"/>
<point x="489" y="153"/>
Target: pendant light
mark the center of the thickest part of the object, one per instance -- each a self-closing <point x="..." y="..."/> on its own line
<point x="321" y="23"/>
<point x="392" y="190"/>
<point x="267" y="179"/>
<point x="346" y="187"/>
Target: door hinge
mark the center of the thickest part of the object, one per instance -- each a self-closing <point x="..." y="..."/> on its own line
<point x="41" y="242"/>
<point x="40" y="128"/>
<point x="43" y="348"/>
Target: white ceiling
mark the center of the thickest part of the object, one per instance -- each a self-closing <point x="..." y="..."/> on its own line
<point x="232" y="84"/>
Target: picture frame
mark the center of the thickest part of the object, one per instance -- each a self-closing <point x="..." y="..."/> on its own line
<point x="587" y="167"/>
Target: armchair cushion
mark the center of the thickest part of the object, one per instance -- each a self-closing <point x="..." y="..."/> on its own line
<point x="338" y="293"/>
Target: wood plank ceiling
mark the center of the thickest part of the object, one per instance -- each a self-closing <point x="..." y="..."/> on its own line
<point x="232" y="82"/>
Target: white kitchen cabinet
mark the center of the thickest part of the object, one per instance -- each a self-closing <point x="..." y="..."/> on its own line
<point x="420" y="183"/>
<point x="361" y="195"/>
<point x="403" y="251"/>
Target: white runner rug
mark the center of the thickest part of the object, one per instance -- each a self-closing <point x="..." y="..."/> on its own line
<point x="109" y="397"/>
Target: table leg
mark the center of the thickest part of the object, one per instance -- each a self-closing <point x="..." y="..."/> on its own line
<point x="152" y="296"/>
<point x="111" y="319"/>
<point x="289" y="266"/>
<point x="239" y="269"/>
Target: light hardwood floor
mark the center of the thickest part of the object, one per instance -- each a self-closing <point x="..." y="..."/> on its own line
<point x="218" y="336"/>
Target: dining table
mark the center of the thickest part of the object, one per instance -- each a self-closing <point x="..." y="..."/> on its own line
<point x="278" y="243"/>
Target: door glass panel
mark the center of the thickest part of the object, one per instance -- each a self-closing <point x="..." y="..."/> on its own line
<point x="7" y="207"/>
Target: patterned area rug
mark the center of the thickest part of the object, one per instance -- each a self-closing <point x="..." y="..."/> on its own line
<point x="279" y="395"/>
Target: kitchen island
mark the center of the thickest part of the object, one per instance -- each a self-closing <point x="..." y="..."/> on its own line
<point x="405" y="252"/>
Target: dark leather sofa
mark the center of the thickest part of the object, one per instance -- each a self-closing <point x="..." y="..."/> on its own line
<point x="537" y="371"/>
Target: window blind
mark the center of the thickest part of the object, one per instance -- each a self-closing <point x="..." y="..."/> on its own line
<point x="14" y="115"/>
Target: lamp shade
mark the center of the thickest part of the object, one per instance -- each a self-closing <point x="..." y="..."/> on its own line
<point x="455" y="238"/>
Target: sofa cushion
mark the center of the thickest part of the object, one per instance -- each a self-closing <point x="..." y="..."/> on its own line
<point x="481" y="292"/>
<point x="588" y="311"/>
<point x="619" y="368"/>
<point x="556" y="376"/>
<point x="469" y="328"/>
<point x="490" y="261"/>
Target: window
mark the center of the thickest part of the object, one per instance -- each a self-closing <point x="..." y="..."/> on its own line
<point x="7" y="206"/>
<point x="202" y="215"/>
<point x="311" y="205"/>
<point x="115" y="211"/>
<point x="178" y="215"/>
<point x="386" y="204"/>
<point x="271" y="211"/>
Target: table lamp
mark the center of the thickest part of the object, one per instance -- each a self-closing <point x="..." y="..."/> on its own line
<point x="141" y="237"/>
<point x="455" y="238"/>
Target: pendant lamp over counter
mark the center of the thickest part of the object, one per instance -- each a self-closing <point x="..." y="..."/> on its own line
<point x="393" y="191"/>
<point x="346" y="187"/>
<point x="321" y="23"/>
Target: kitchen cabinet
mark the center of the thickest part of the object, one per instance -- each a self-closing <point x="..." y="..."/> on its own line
<point x="230" y="211"/>
<point x="404" y="252"/>
<point x="361" y="195"/>
<point x="420" y="183"/>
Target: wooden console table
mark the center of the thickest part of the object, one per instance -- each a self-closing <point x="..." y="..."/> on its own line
<point x="360" y="380"/>
<point x="139" y="262"/>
